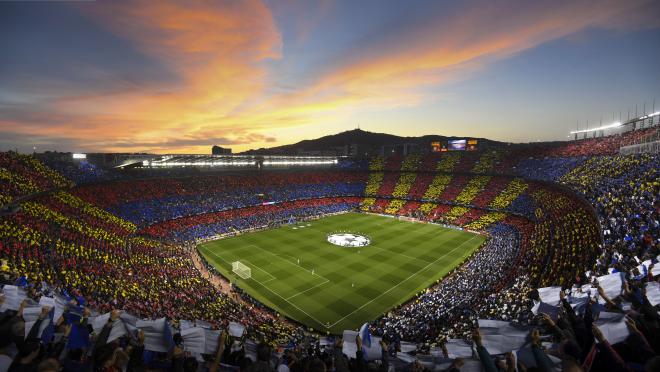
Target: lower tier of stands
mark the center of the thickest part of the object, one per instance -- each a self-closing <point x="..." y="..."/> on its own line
<point x="540" y="235"/>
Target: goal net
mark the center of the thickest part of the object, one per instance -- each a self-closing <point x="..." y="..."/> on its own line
<point x="241" y="270"/>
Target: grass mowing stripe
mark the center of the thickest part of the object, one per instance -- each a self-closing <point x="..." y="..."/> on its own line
<point x="405" y="280"/>
<point x="307" y="290"/>
<point x="244" y="260"/>
<point x="359" y="283"/>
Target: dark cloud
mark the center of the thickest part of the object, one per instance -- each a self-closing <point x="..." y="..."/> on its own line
<point x="56" y="49"/>
<point x="168" y="76"/>
<point x="188" y="141"/>
<point x="28" y="143"/>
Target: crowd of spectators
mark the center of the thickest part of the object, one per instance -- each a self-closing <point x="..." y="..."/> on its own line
<point x="596" y="146"/>
<point x="624" y="191"/>
<point x="65" y="334"/>
<point x="403" y="185"/>
<point x="495" y="187"/>
<point x="80" y="171"/>
<point x="523" y="205"/>
<point x="547" y="169"/>
<point x="447" y="308"/>
<point x="421" y="184"/>
<point x="150" y="211"/>
<point x="477" y="205"/>
<point x="387" y="184"/>
<point x="618" y="328"/>
<point x="22" y="175"/>
<point x="62" y="243"/>
<point x="475" y="186"/>
<point x="204" y="226"/>
<point x="146" y="202"/>
<point x="564" y="249"/>
<point x="73" y="247"/>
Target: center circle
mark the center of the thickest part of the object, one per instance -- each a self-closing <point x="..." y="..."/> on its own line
<point x="346" y="239"/>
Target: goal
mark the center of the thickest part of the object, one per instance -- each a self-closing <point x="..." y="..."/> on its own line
<point x="241" y="270"/>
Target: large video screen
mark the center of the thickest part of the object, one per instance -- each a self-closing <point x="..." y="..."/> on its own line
<point x="457" y="145"/>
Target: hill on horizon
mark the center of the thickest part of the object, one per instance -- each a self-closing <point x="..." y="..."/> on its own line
<point x="360" y="138"/>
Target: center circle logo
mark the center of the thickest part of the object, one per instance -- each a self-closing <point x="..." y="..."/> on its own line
<point x="346" y="239"/>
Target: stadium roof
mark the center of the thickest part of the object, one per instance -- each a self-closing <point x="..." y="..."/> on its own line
<point x="178" y="160"/>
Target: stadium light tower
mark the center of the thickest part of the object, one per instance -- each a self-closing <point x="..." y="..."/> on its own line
<point x="602" y="127"/>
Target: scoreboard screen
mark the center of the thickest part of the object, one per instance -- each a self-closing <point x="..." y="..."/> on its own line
<point x="457" y="145"/>
<point x="454" y="145"/>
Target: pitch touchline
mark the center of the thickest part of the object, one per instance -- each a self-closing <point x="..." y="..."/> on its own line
<point x="275" y="293"/>
<point x="403" y="281"/>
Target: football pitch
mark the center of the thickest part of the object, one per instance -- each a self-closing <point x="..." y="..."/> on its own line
<point x="296" y="271"/>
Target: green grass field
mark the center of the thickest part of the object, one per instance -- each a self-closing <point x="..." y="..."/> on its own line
<point x="348" y="286"/>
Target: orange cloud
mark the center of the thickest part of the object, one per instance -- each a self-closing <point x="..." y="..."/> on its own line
<point x="444" y="51"/>
<point x="220" y="50"/>
<point x="217" y="50"/>
<point x="398" y="71"/>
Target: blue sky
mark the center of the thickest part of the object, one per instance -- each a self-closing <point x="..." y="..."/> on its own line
<point x="181" y="76"/>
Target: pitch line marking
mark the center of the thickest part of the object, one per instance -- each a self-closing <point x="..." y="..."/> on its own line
<point x="403" y="281"/>
<point x="290" y="303"/>
<point x="401" y="254"/>
<point x="287" y="261"/>
<point x="272" y="277"/>
<point x="306" y="290"/>
<point x="275" y="293"/>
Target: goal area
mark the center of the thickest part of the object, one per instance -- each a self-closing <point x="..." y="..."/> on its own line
<point x="241" y="270"/>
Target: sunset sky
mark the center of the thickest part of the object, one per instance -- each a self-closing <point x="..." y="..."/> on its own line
<point x="178" y="77"/>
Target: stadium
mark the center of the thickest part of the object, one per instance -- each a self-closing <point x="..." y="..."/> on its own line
<point x="353" y="251"/>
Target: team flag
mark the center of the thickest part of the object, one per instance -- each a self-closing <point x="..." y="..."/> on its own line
<point x="365" y="335"/>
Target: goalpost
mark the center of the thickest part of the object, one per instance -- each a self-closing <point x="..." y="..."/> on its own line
<point x="241" y="270"/>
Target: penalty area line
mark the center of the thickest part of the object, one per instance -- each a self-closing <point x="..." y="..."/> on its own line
<point x="290" y="303"/>
<point x="275" y="293"/>
<point x="401" y="282"/>
<point x="272" y="277"/>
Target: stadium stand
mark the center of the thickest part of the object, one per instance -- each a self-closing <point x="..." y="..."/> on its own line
<point x="564" y="221"/>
